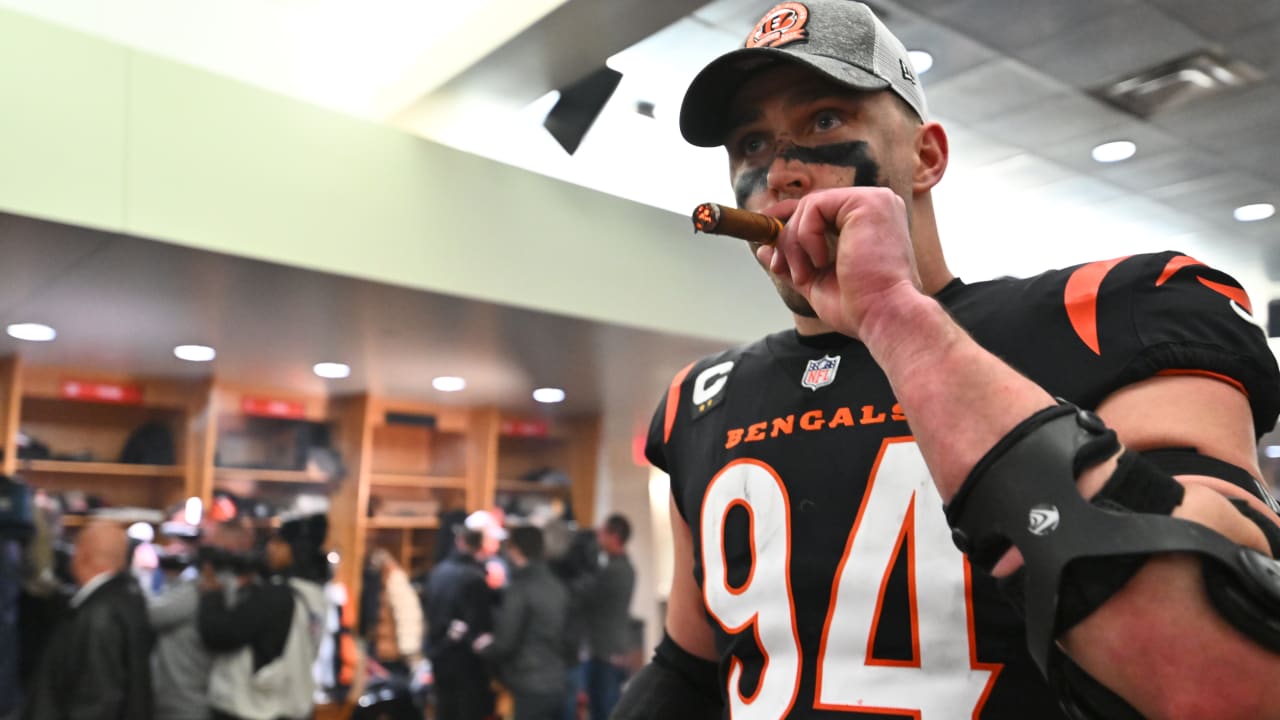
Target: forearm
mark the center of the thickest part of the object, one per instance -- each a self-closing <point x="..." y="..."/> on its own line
<point x="958" y="398"/>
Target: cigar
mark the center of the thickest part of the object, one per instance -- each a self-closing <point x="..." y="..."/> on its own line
<point x="742" y="224"/>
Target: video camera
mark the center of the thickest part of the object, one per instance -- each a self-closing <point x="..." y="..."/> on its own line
<point x="222" y="560"/>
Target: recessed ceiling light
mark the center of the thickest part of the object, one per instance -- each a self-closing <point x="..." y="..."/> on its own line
<point x="449" y="383"/>
<point x="1272" y="451"/>
<point x="1114" y="151"/>
<point x="195" y="353"/>
<point x="920" y="60"/>
<point x="35" y="332"/>
<point x="548" y="395"/>
<point x="332" y="370"/>
<point x="1244" y="213"/>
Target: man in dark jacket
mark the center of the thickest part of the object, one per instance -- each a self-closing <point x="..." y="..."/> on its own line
<point x="604" y="599"/>
<point x="459" y="610"/>
<point x="97" y="664"/>
<point x="527" y="644"/>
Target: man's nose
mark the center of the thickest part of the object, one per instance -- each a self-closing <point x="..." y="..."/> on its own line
<point x="787" y="176"/>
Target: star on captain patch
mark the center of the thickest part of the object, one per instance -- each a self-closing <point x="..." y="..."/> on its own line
<point x="820" y="372"/>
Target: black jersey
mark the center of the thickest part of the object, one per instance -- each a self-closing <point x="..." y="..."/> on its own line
<point x="824" y="559"/>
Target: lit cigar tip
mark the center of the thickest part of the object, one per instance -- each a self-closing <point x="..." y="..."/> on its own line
<point x="706" y="217"/>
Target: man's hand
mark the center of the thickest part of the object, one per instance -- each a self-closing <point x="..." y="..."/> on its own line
<point x="846" y="250"/>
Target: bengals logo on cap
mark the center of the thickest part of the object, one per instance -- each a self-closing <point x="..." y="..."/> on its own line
<point x="782" y="25"/>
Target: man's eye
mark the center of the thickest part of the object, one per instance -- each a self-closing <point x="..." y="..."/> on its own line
<point x="826" y="120"/>
<point x="751" y="145"/>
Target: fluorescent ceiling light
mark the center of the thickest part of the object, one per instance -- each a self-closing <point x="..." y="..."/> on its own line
<point x="1272" y="451"/>
<point x="1244" y="213"/>
<point x="1115" y="151"/>
<point x="35" y="332"/>
<point x="449" y="383"/>
<point x="195" y="353"/>
<point x="332" y="370"/>
<point x="548" y="395"/>
<point x="193" y="511"/>
<point x="920" y="60"/>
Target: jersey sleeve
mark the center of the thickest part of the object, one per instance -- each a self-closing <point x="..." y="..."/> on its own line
<point x="659" y="448"/>
<point x="1191" y="319"/>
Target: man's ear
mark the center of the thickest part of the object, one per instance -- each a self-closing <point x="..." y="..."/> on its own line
<point x="932" y="153"/>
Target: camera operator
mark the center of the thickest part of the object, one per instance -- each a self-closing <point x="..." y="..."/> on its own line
<point x="180" y="663"/>
<point x="266" y="637"/>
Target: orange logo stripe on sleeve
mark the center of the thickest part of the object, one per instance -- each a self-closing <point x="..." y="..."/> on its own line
<point x="1081" y="299"/>
<point x="673" y="401"/>
<point x="1235" y="293"/>
<point x="1209" y="374"/>
<point x="1174" y="266"/>
<point x="1227" y="291"/>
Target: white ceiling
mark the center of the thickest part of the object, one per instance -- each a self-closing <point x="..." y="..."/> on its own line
<point x="1009" y="83"/>
<point x="121" y="304"/>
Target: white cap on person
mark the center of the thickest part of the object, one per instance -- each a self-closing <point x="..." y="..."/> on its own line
<point x="841" y="39"/>
<point x="485" y="522"/>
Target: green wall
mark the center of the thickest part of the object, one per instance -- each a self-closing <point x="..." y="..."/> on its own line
<point x="96" y="134"/>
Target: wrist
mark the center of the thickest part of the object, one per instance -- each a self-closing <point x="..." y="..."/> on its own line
<point x="902" y="323"/>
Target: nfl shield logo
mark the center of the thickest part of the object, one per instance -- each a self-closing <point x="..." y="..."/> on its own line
<point x="820" y="372"/>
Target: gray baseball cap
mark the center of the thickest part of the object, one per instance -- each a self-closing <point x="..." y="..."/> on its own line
<point x="841" y="39"/>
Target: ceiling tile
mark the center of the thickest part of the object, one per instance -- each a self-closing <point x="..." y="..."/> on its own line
<point x="734" y="15"/>
<point x="1144" y="174"/>
<point x="1221" y="18"/>
<point x="1259" y="46"/>
<point x="1112" y="46"/>
<point x="990" y="90"/>
<point x="1224" y="189"/>
<point x="1008" y="24"/>
<point x="1075" y="152"/>
<point x="952" y="53"/>
<point x="972" y="150"/>
<point x="1214" y="121"/>
<point x="1020" y="173"/>
<point x="1051" y="121"/>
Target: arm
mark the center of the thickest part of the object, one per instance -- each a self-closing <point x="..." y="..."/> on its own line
<point x="508" y="624"/>
<point x="1157" y="642"/>
<point x="172" y="608"/>
<point x="98" y="692"/>
<point x="223" y="629"/>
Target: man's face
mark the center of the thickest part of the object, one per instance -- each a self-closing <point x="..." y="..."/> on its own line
<point x="794" y="132"/>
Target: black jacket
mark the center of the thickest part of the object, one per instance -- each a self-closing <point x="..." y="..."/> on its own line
<point x="528" y="636"/>
<point x="98" y="663"/>
<point x="457" y="591"/>
<point x="604" y="601"/>
<point x="259" y="618"/>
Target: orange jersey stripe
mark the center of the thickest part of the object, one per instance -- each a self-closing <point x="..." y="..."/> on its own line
<point x="673" y="401"/>
<point x="1081" y="299"/>
<point x="1174" y="266"/>
<point x="1235" y="293"/>
<point x="1209" y="374"/>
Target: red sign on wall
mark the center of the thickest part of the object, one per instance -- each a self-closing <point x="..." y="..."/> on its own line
<point x="271" y="407"/>
<point x="525" y="428"/>
<point x="104" y="392"/>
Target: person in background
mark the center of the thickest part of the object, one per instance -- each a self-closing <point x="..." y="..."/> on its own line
<point x="397" y="633"/>
<point x="603" y="600"/>
<point x="97" y="664"/>
<point x="489" y="525"/>
<point x="527" y="643"/>
<point x="265" y="641"/>
<point x="180" y="663"/>
<point x="460" y="606"/>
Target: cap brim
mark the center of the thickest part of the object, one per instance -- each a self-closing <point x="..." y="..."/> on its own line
<point x="704" y="111"/>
